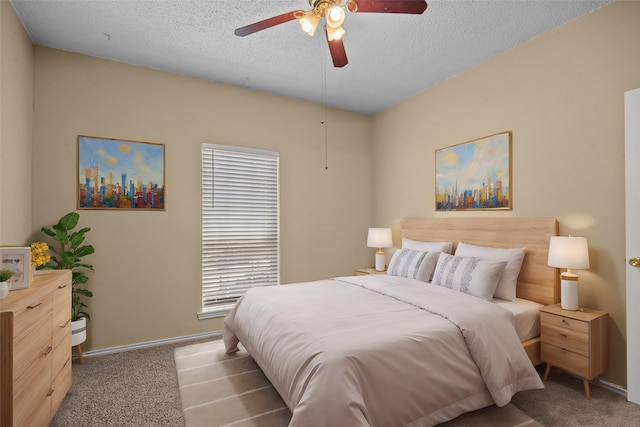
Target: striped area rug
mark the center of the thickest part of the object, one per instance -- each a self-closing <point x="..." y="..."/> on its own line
<point x="218" y="389"/>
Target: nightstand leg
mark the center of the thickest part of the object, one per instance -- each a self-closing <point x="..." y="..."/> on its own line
<point x="546" y="372"/>
<point x="587" y="390"/>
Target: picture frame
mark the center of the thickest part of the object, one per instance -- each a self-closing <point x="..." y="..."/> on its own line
<point x="18" y="260"/>
<point x="475" y="175"/>
<point x="120" y="174"/>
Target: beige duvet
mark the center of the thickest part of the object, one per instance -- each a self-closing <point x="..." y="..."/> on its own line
<point x="380" y="350"/>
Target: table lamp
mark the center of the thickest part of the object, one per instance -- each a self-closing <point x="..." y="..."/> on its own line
<point x="379" y="238"/>
<point x="569" y="252"/>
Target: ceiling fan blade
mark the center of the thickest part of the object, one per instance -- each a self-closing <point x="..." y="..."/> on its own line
<point x="268" y="23"/>
<point x="388" y="6"/>
<point x="338" y="54"/>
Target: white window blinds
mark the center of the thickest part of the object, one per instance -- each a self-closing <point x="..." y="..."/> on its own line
<point x="239" y="224"/>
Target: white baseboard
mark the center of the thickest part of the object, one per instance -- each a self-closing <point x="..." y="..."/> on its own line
<point x="155" y="343"/>
<point x="613" y="387"/>
<point x="604" y="384"/>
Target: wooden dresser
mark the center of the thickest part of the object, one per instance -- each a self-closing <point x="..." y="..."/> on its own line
<point x="35" y="350"/>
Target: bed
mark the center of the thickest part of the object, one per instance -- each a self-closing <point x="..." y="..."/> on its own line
<point x="387" y="350"/>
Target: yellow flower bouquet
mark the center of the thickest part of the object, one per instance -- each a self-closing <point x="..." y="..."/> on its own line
<point x="39" y="254"/>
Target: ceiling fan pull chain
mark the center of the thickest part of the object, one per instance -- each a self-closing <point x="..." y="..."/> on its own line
<point x="323" y="93"/>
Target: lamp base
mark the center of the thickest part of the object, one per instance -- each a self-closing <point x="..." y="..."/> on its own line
<point x="569" y="293"/>
<point x="380" y="261"/>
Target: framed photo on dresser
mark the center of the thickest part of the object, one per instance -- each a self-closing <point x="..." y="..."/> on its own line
<point x="17" y="259"/>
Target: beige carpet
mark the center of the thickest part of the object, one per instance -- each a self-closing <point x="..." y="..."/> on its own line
<point x="218" y="390"/>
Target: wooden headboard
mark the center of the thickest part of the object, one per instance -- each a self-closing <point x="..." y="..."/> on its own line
<point x="537" y="281"/>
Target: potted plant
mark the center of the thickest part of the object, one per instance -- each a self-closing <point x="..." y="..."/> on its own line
<point x="5" y="275"/>
<point x="68" y="252"/>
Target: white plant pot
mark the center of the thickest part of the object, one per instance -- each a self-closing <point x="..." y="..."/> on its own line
<point x="78" y="331"/>
<point x="4" y="290"/>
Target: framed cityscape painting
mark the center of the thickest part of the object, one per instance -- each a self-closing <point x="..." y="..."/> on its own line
<point x="119" y="174"/>
<point x="475" y="175"/>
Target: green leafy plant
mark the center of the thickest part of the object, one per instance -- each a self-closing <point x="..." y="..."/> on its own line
<point x="68" y="252"/>
<point x="5" y="275"/>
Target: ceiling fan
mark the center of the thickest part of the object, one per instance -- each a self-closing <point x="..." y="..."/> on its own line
<point x="333" y="13"/>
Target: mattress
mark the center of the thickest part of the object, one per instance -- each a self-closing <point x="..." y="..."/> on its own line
<point x="527" y="317"/>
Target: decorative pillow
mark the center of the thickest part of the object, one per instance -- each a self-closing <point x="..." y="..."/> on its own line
<point x="474" y="276"/>
<point x="417" y="265"/>
<point x="507" y="286"/>
<point x="417" y="245"/>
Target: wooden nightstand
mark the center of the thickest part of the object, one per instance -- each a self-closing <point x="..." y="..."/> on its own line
<point x="367" y="271"/>
<point x="576" y="341"/>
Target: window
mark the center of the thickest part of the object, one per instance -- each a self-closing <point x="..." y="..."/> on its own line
<point x="239" y="224"/>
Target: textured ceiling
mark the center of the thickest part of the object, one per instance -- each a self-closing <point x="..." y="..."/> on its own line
<point x="391" y="56"/>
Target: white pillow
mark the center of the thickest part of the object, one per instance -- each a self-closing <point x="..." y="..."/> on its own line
<point x="507" y="286"/>
<point x="417" y="265"/>
<point x="473" y="276"/>
<point x="417" y="245"/>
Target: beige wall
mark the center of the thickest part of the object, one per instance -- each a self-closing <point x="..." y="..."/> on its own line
<point x="148" y="280"/>
<point x="562" y="96"/>
<point x="16" y="117"/>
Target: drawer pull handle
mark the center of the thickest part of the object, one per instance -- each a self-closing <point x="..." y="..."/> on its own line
<point x="48" y="350"/>
<point x="564" y="321"/>
<point x="65" y="324"/>
<point x="31" y="307"/>
<point x="563" y="335"/>
<point x="50" y="393"/>
<point x="62" y="286"/>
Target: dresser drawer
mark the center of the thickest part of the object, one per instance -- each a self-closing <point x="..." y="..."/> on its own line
<point x="62" y="300"/>
<point x="29" y="314"/>
<point x="31" y="399"/>
<point x="566" y="339"/>
<point x="564" y="322"/>
<point x="565" y="359"/>
<point x="61" y="311"/>
<point x="61" y="382"/>
<point x="28" y="351"/>
<point x="61" y="353"/>
<point x="39" y="416"/>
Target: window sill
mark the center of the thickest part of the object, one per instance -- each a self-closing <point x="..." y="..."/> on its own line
<point x="203" y="315"/>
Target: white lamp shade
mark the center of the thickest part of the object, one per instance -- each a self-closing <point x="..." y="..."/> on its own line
<point x="379" y="238"/>
<point x="568" y="252"/>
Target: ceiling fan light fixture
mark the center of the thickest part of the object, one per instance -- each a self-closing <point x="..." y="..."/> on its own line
<point x="309" y="22"/>
<point x="334" y="33"/>
<point x="334" y="16"/>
